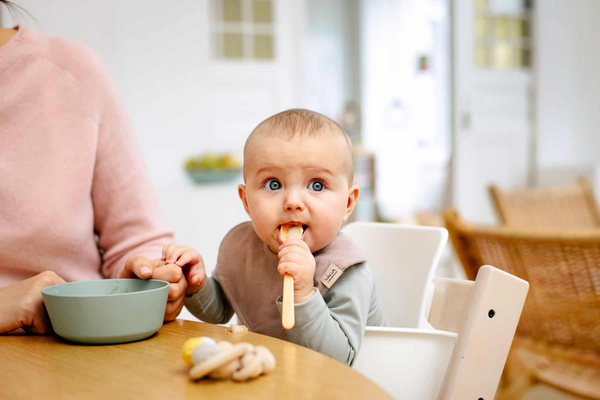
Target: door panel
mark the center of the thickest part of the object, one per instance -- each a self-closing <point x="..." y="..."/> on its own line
<point x="492" y="119"/>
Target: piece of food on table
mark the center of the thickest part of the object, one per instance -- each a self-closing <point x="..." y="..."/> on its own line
<point x="288" y="318"/>
<point x="233" y="328"/>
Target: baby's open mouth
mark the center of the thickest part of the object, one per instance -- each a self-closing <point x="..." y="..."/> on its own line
<point x="290" y="231"/>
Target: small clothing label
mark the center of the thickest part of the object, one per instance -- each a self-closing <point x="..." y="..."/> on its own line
<point x="331" y="275"/>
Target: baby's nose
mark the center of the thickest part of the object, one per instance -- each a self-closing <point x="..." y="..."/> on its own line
<point x="294" y="207"/>
<point x="293" y="202"/>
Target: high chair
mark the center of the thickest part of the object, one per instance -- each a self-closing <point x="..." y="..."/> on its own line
<point x="403" y="259"/>
<point x="462" y="355"/>
<point x="558" y="339"/>
<point x="411" y="358"/>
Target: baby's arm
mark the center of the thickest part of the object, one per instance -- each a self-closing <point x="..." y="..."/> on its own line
<point x="210" y="304"/>
<point x="204" y="296"/>
<point x="335" y="325"/>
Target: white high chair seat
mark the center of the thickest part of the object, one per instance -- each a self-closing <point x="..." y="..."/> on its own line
<point x="464" y="355"/>
<point x="407" y="363"/>
<point x="403" y="259"/>
<point x="449" y="338"/>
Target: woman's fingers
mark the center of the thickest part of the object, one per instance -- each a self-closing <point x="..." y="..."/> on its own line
<point x="41" y="322"/>
<point x="137" y="267"/>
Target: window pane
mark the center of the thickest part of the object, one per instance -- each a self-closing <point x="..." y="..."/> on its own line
<point x="482" y="56"/>
<point x="263" y="11"/>
<point x="482" y="27"/>
<point x="232" y="10"/>
<point x="233" y="46"/>
<point x="263" y="46"/>
<point x="502" y="55"/>
<point x="500" y="28"/>
<point x="515" y="28"/>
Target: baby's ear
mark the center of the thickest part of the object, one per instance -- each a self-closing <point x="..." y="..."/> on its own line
<point x="353" y="194"/>
<point x="242" y="194"/>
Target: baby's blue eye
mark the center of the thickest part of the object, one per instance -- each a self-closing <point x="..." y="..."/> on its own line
<point x="316" y="186"/>
<point x="272" y="184"/>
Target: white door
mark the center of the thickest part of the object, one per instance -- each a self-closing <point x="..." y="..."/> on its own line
<point x="252" y="71"/>
<point x="253" y="66"/>
<point x="491" y="102"/>
<point x="249" y="71"/>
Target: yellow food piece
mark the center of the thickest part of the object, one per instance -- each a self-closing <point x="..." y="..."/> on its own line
<point x="187" y="349"/>
<point x="291" y="232"/>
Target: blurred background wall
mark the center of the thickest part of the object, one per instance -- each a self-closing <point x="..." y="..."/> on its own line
<point x="442" y="98"/>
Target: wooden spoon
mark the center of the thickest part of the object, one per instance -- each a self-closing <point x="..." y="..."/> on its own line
<point x="287" y="312"/>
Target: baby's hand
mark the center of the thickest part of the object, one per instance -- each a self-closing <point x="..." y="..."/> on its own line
<point x="190" y="261"/>
<point x="296" y="259"/>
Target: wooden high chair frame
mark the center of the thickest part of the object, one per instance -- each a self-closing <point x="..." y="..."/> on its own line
<point x="559" y="207"/>
<point x="484" y="314"/>
<point x="463" y="355"/>
<point x="442" y="342"/>
<point x="558" y="340"/>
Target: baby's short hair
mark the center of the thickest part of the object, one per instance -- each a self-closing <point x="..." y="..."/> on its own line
<point x="297" y="121"/>
<point x="290" y="123"/>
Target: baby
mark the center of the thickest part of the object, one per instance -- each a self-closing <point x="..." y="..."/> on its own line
<point x="297" y="171"/>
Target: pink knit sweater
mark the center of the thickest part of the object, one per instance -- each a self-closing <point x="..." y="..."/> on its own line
<point x="70" y="167"/>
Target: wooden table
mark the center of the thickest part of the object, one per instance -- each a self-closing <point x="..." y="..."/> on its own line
<point x="33" y="366"/>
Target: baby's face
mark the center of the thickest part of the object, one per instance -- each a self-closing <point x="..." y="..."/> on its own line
<point x="302" y="181"/>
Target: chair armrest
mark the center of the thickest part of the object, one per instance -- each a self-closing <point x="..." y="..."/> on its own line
<point x="449" y="303"/>
<point x="485" y="335"/>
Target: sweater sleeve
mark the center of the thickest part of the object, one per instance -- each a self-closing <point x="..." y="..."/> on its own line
<point x="210" y="304"/>
<point x="335" y="324"/>
<point x="126" y="212"/>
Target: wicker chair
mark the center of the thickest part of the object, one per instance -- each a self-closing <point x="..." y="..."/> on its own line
<point x="558" y="337"/>
<point x="559" y="207"/>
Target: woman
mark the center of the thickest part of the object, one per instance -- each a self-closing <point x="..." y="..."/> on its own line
<point x="75" y="199"/>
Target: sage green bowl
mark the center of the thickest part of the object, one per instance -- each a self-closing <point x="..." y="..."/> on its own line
<point x="106" y="311"/>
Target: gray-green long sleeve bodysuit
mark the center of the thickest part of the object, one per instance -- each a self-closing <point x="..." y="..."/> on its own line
<point x="332" y="321"/>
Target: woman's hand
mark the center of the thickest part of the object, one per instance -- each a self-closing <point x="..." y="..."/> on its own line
<point x="142" y="268"/>
<point x="22" y="305"/>
<point x="296" y="259"/>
